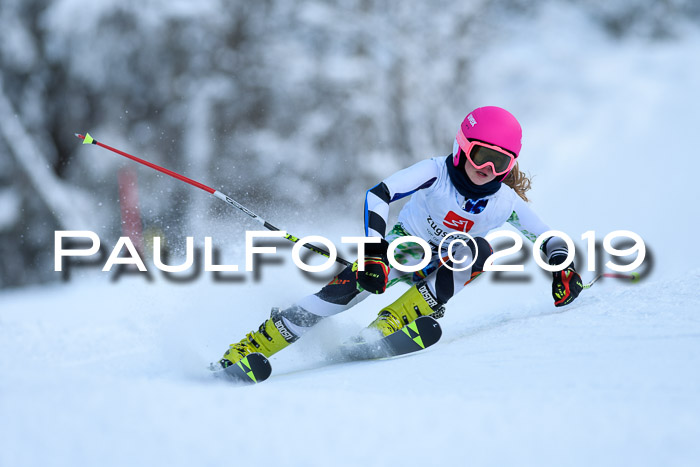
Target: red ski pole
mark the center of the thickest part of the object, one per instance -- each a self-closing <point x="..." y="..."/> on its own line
<point x="634" y="277"/>
<point x="87" y="139"/>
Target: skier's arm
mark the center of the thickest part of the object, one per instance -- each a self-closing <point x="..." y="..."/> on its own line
<point x="566" y="284"/>
<point x="403" y="183"/>
<point x="531" y="226"/>
<point x="399" y="185"/>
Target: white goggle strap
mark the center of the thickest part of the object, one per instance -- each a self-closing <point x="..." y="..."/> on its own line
<point x="455" y="153"/>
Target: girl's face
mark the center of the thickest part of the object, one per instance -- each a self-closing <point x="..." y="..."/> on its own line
<point x="478" y="176"/>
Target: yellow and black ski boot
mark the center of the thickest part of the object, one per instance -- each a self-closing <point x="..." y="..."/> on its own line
<point x="417" y="301"/>
<point x="271" y="337"/>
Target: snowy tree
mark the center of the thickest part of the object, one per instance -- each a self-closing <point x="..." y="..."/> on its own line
<point x="279" y="104"/>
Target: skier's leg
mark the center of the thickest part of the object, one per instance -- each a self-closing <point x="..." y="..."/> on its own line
<point x="448" y="279"/>
<point x="429" y="295"/>
<point x="337" y="296"/>
<point x="271" y="337"/>
<point x="287" y="325"/>
<point x="343" y="293"/>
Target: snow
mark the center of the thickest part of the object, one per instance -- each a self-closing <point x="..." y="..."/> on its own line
<point x="114" y="373"/>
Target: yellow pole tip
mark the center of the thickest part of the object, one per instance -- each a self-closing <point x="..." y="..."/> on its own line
<point x="88" y="139"/>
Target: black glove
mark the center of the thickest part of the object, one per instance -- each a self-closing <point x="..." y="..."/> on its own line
<point x="374" y="277"/>
<point x="566" y="286"/>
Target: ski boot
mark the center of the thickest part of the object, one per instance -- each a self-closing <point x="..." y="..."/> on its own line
<point x="271" y="337"/>
<point x="417" y="301"/>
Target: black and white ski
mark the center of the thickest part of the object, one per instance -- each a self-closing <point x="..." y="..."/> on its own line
<point x="253" y="368"/>
<point x="421" y="333"/>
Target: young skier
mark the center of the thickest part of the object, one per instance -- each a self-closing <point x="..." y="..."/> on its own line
<point x="475" y="189"/>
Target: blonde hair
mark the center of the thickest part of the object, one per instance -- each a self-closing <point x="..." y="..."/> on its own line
<point x="519" y="182"/>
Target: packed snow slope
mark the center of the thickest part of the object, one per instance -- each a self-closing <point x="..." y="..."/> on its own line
<point x="115" y="375"/>
<point x="101" y="373"/>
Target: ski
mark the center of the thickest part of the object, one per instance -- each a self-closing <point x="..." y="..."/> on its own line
<point x="421" y="333"/>
<point x="418" y="335"/>
<point x="253" y="368"/>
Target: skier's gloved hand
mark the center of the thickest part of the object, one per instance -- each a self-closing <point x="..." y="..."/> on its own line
<point x="566" y="284"/>
<point x="374" y="277"/>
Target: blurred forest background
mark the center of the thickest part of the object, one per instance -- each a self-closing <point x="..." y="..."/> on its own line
<point x="292" y="108"/>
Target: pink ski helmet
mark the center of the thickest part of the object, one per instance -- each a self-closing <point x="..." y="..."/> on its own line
<point x="492" y="125"/>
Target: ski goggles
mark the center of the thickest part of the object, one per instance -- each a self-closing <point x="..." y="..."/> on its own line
<point x="481" y="154"/>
